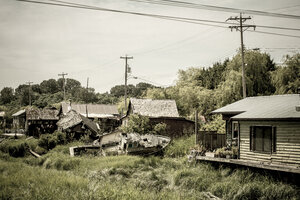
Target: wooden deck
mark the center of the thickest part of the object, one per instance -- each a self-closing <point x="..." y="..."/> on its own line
<point x="282" y="168"/>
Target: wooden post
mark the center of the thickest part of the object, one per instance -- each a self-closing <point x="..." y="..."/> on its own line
<point x="196" y="126"/>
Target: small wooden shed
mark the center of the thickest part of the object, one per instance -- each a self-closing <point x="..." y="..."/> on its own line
<point x="265" y="128"/>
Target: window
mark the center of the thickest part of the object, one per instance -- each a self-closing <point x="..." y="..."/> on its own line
<point x="235" y="130"/>
<point x="263" y="139"/>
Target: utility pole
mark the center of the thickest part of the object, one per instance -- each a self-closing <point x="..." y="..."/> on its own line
<point x="64" y="83"/>
<point x="29" y="91"/>
<point x="87" y="89"/>
<point x="242" y="28"/>
<point x="126" y="71"/>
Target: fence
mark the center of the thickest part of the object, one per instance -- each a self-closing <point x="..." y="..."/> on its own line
<point x="211" y="139"/>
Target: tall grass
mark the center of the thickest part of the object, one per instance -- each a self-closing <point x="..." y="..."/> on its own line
<point x="56" y="175"/>
<point x="180" y="146"/>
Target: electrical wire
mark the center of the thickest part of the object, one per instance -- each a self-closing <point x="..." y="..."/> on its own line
<point x="180" y="19"/>
<point x="183" y="4"/>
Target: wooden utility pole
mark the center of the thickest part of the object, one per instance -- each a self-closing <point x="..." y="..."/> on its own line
<point x="242" y="28"/>
<point x="29" y="91"/>
<point x="64" y="83"/>
<point x="196" y="126"/>
<point x="87" y="89"/>
<point x="126" y="71"/>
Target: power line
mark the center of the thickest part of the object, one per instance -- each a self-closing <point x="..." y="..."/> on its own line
<point x="166" y="17"/>
<point x="29" y="91"/>
<point x="215" y="8"/>
<point x="242" y="28"/>
<point x="126" y="71"/>
<point x="64" y="83"/>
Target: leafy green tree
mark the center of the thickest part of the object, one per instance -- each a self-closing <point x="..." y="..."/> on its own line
<point x="286" y="78"/>
<point x="7" y="95"/>
<point x="137" y="124"/>
<point x="49" y="86"/>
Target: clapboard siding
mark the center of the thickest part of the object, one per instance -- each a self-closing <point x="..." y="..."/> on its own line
<point x="287" y="142"/>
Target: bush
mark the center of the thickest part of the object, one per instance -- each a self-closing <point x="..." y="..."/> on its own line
<point x="61" y="137"/>
<point x="180" y="146"/>
<point x="48" y="141"/>
<point x="159" y="129"/>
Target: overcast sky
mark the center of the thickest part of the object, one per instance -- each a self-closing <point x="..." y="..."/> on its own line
<point x="37" y="42"/>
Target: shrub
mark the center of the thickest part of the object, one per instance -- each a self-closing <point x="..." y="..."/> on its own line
<point x="159" y="129"/>
<point x="47" y="141"/>
<point x="60" y="137"/>
<point x="180" y="146"/>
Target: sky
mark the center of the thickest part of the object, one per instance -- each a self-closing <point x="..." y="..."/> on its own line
<point x="38" y="42"/>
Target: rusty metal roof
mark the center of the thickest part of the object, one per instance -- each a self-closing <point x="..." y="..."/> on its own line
<point x="264" y="107"/>
<point x="94" y="110"/>
<point x="154" y="108"/>
<point x="41" y="114"/>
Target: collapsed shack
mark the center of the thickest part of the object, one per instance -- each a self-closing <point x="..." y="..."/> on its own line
<point x="118" y="143"/>
<point x="75" y="123"/>
<point x="40" y="121"/>
<point x="107" y="116"/>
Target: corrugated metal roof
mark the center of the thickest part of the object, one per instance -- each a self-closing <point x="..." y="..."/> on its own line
<point x="20" y="112"/>
<point x="41" y="114"/>
<point x="94" y="110"/>
<point x="264" y="107"/>
<point x="154" y="108"/>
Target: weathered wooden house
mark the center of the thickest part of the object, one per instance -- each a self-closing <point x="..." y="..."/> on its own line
<point x="41" y="121"/>
<point x="107" y="116"/>
<point x="265" y="129"/>
<point x="19" y="120"/>
<point x="75" y="123"/>
<point x="160" y="111"/>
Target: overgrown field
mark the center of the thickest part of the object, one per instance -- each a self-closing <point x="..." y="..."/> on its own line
<point x="57" y="176"/>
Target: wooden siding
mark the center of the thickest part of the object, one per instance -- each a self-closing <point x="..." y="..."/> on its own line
<point x="287" y="143"/>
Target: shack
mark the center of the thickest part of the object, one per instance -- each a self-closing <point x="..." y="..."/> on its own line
<point x="160" y="111"/>
<point x="74" y="123"/>
<point x="2" y="120"/>
<point x="107" y="116"/>
<point x="266" y="129"/>
<point x="19" y="120"/>
<point x="41" y="121"/>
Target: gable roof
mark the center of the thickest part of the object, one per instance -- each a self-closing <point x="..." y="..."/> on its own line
<point x="276" y="107"/>
<point x="94" y="110"/>
<point x="73" y="118"/>
<point x="20" y="112"/>
<point x="154" y="108"/>
<point x="41" y="114"/>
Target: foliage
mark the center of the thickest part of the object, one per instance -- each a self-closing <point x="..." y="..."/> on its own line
<point x="286" y="78"/>
<point x="180" y="146"/>
<point x="141" y="124"/>
<point x="216" y="124"/>
<point x="56" y="175"/>
<point x="6" y="95"/>
<point x="137" y="124"/>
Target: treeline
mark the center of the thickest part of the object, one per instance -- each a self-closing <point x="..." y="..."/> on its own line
<point x="204" y="89"/>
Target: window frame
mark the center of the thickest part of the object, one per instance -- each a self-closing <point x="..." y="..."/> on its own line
<point x="273" y="140"/>
<point x="232" y="130"/>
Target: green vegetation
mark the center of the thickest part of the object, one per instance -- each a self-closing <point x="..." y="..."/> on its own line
<point x="141" y="124"/>
<point x="58" y="176"/>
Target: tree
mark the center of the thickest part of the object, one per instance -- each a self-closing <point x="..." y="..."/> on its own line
<point x="49" y="86"/>
<point x="7" y="95"/>
<point x="286" y="78"/>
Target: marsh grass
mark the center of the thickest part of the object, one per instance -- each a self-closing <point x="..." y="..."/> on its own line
<point x="56" y="175"/>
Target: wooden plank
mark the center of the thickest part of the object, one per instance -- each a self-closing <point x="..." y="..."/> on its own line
<point x="255" y="164"/>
